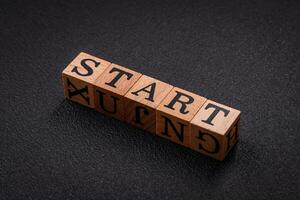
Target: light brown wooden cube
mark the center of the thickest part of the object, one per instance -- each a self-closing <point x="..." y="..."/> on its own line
<point x="79" y="77"/>
<point x="174" y="114"/>
<point x="110" y="89"/>
<point x="142" y="100"/>
<point x="214" y="129"/>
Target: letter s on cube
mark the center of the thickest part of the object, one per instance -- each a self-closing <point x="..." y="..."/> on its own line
<point x="79" y="78"/>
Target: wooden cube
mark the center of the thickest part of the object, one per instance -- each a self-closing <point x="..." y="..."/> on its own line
<point x="142" y="100"/>
<point x="214" y="129"/>
<point x="110" y="89"/>
<point x="174" y="114"/>
<point x="79" y="77"/>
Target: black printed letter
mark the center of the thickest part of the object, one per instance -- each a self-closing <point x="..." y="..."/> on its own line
<point x="214" y="114"/>
<point x="119" y="75"/>
<point x="89" y="70"/>
<point x="179" y="134"/>
<point x="78" y="91"/>
<point x="150" y="91"/>
<point x="183" y="103"/>
<point x="101" y="102"/>
<point x="138" y="110"/>
<point x="202" y="137"/>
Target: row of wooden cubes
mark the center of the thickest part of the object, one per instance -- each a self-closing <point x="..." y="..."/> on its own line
<point x="160" y="108"/>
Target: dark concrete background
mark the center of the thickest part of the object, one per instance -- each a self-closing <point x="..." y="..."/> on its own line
<point x="242" y="54"/>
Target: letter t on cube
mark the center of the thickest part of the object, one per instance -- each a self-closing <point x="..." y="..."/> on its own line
<point x="214" y="129"/>
<point x="110" y="89"/>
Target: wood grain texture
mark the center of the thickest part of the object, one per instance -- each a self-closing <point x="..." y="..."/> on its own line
<point x="214" y="129"/>
<point x="79" y="78"/>
<point x="174" y="114"/>
<point x="110" y="89"/>
<point x="142" y="100"/>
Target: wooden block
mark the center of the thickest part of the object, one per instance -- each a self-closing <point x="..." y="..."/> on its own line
<point x="214" y="129"/>
<point x="110" y="89"/>
<point x="142" y="100"/>
<point x="174" y="114"/>
<point x="79" y="77"/>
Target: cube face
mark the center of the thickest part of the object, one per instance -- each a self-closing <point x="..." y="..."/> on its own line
<point x="170" y="112"/>
<point x="214" y="129"/>
<point x="211" y="144"/>
<point x="216" y="117"/>
<point x="110" y="89"/>
<point x="79" y="78"/>
<point x="140" y="115"/>
<point x="231" y="137"/>
<point x="174" y="114"/>
<point x="207" y="143"/>
<point x="142" y="100"/>
<point x="109" y="103"/>
<point x="173" y="128"/>
<point x="78" y="91"/>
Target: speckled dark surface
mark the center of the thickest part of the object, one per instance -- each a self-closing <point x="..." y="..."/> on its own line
<point x="242" y="54"/>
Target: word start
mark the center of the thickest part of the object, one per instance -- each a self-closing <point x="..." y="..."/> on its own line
<point x="158" y="107"/>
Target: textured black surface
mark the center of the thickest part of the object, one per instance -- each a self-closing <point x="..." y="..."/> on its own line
<point x="242" y="54"/>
